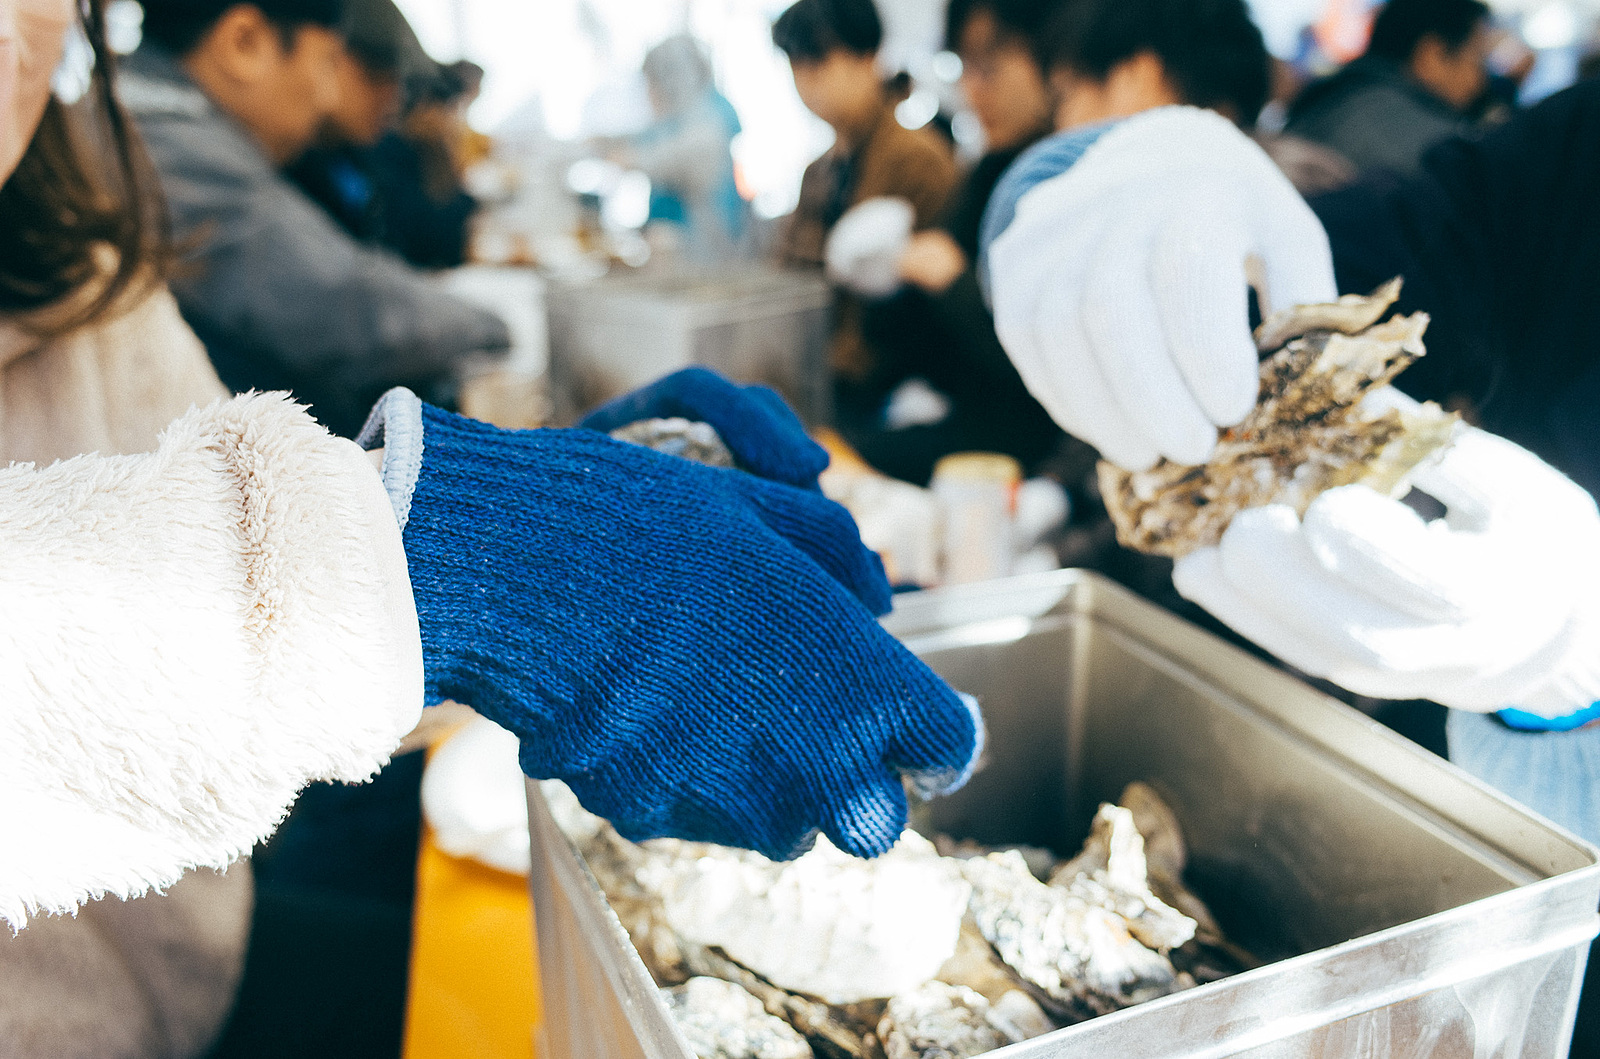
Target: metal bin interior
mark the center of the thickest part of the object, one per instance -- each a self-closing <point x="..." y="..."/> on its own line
<point x="1408" y="909"/>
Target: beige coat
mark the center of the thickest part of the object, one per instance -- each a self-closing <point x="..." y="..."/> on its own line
<point x="109" y="388"/>
<point x="153" y="976"/>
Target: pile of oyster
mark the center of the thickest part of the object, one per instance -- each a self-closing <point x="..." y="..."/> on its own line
<point x="933" y="951"/>
<point x="1313" y="429"/>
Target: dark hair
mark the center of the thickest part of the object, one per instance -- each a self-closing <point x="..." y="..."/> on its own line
<point x="811" y="29"/>
<point x="1401" y="25"/>
<point x="1211" y="49"/>
<point x="1024" y="20"/>
<point x="179" y="25"/>
<point x="73" y="196"/>
<point x="377" y="35"/>
<point x="448" y="83"/>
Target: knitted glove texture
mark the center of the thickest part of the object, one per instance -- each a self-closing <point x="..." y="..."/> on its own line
<point x="683" y="645"/>
<point x="763" y="433"/>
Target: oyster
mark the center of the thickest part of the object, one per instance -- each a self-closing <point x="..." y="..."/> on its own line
<point x="687" y="438"/>
<point x="1208" y="955"/>
<point x="978" y="967"/>
<point x="1350" y="315"/>
<point x="828" y="924"/>
<point x="721" y="1020"/>
<point x="1073" y="943"/>
<point x="831" y="1031"/>
<point x="1112" y="872"/>
<point x="1311" y="430"/>
<point x="941" y="1021"/>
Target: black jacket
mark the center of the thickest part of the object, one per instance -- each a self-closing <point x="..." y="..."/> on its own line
<point x="1375" y="115"/>
<point x="949" y="340"/>
<point x="1499" y="239"/>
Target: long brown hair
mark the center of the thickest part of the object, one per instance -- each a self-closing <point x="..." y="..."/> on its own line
<point x="77" y="192"/>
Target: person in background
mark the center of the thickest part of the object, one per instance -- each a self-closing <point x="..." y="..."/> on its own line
<point x="1137" y="337"/>
<point x="687" y="154"/>
<point x="200" y="625"/>
<point x="380" y="57"/>
<point x="224" y="94"/>
<point x="832" y="46"/>
<point x="938" y="328"/>
<point x="94" y="357"/>
<point x="418" y="169"/>
<point x="1425" y="68"/>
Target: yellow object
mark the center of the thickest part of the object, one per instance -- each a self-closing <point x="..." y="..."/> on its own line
<point x="841" y="453"/>
<point x="474" y="980"/>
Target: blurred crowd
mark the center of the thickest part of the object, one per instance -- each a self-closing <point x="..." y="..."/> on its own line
<point x="313" y="160"/>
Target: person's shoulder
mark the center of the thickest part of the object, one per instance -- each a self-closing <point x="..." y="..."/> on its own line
<point x="920" y="145"/>
<point x="1577" y="106"/>
<point x="819" y="168"/>
<point x="186" y="135"/>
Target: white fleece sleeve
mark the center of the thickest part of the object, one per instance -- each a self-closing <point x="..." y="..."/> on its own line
<point x="188" y="638"/>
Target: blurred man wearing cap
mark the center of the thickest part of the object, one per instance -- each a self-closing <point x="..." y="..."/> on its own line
<point x="379" y="55"/>
<point x="369" y="174"/>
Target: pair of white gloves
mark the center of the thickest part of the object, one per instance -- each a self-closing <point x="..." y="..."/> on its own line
<point x="1120" y="292"/>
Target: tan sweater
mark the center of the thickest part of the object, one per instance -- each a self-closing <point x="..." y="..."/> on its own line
<point x="893" y="162"/>
<point x="108" y="388"/>
<point x="153" y="976"/>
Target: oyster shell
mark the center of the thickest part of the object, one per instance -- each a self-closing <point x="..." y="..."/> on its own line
<point x="1112" y="872"/>
<point x="978" y="967"/>
<point x="1350" y="315"/>
<point x="832" y="1033"/>
<point x="1073" y="944"/>
<point x="687" y="438"/>
<point x="827" y="924"/>
<point x="721" y="1020"/>
<point x="941" y="1021"/>
<point x="1309" y="432"/>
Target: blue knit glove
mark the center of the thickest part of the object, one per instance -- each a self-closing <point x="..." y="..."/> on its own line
<point x="679" y="643"/>
<point x="762" y="432"/>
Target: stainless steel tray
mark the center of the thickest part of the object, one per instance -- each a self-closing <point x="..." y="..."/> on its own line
<point x="1411" y="911"/>
<point x="613" y="335"/>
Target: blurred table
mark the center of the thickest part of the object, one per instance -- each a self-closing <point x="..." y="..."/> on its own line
<point x="612" y="335"/>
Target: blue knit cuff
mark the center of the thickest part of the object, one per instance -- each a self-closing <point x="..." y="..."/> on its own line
<point x="395" y="425"/>
<point x="1048" y="158"/>
<point x="1523" y="721"/>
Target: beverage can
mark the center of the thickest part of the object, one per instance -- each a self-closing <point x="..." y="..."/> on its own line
<point x="978" y="494"/>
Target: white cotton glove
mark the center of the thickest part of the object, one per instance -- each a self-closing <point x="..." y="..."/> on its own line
<point x="1120" y="288"/>
<point x="865" y="247"/>
<point x="1492" y="606"/>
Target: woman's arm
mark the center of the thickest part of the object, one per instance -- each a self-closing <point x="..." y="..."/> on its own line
<point x="187" y="638"/>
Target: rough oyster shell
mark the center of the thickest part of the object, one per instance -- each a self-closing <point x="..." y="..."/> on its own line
<point x="942" y="1021"/>
<point x="827" y="924"/>
<point x="1112" y="873"/>
<point x="1070" y="943"/>
<point x="721" y="1020"/>
<point x="1308" y="433"/>
<point x="686" y="438"/>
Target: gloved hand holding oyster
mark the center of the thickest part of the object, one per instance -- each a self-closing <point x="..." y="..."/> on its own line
<point x="1294" y="533"/>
